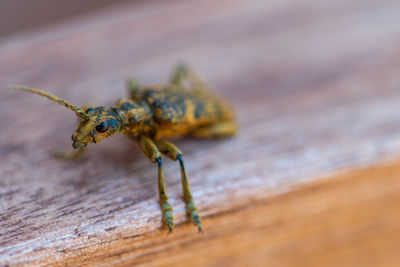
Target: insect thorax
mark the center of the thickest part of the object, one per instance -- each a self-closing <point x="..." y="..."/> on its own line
<point x="137" y="115"/>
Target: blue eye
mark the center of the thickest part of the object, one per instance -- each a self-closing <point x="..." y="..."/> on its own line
<point x="102" y="127"/>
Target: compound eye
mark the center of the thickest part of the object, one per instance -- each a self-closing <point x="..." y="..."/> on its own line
<point x="102" y="127"/>
<point x="88" y="110"/>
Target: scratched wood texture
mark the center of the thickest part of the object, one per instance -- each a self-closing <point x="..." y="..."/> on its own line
<point x="316" y="89"/>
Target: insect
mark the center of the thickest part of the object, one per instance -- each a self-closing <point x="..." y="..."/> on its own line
<point x="152" y="114"/>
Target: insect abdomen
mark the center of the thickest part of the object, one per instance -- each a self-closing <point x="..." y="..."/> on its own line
<point x="185" y="108"/>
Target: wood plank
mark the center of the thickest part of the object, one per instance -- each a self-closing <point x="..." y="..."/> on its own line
<point x="347" y="220"/>
<point x="315" y="87"/>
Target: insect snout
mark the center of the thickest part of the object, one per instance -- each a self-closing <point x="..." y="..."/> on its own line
<point x="82" y="136"/>
<point x="78" y="143"/>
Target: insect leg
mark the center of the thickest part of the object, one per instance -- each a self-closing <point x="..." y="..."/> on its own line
<point x="171" y="151"/>
<point x="133" y="89"/>
<point x="184" y="77"/>
<point x="218" y="130"/>
<point x="151" y="151"/>
<point x="68" y="155"/>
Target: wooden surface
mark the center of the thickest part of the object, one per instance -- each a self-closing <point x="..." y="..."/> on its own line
<point x="315" y="86"/>
<point x="348" y="220"/>
<point x="22" y="15"/>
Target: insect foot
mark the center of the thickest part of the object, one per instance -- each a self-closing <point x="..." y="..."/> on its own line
<point x="166" y="210"/>
<point x="191" y="211"/>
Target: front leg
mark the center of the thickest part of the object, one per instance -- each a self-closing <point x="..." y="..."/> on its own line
<point x="151" y="151"/>
<point x="68" y="155"/>
<point x="171" y="151"/>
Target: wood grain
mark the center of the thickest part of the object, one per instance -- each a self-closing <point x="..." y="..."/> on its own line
<point x="315" y="87"/>
<point x="346" y="220"/>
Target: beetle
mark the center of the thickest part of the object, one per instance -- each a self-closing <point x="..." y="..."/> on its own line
<point x="152" y="114"/>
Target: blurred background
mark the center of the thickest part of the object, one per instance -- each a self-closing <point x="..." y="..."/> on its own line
<point x="315" y="87"/>
<point x="24" y="14"/>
